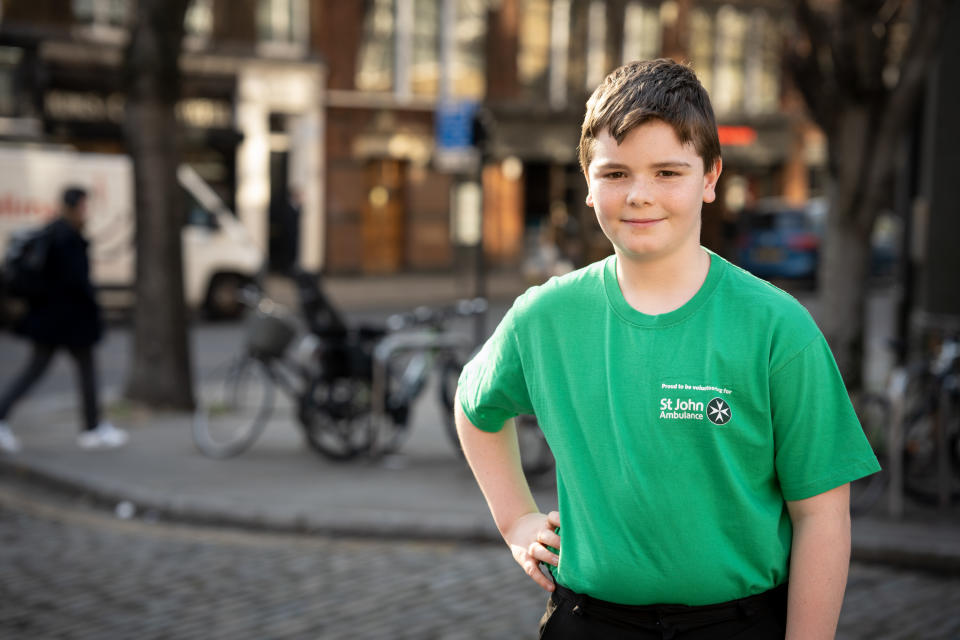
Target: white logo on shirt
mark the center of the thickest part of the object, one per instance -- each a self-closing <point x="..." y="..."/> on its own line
<point x="718" y="411"/>
<point x="685" y="407"/>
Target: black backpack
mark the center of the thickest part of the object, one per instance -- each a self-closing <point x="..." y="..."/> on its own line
<point x="25" y="263"/>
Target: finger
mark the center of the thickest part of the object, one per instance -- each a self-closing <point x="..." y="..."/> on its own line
<point x="548" y="538"/>
<point x="553" y="518"/>
<point x="543" y="554"/>
<point x="532" y="569"/>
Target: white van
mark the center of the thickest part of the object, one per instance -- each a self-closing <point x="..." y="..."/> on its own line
<point x="218" y="254"/>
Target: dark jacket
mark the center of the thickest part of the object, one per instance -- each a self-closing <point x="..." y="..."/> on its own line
<point x="68" y="313"/>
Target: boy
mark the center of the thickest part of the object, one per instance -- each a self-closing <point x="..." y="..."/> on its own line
<point x="703" y="437"/>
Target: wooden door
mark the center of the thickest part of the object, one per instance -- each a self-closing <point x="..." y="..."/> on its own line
<point x="384" y="217"/>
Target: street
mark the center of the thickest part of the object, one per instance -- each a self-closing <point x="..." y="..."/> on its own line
<point x="74" y="572"/>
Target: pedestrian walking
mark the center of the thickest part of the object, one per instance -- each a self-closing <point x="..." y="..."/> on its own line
<point x="64" y="315"/>
<point x="703" y="437"/>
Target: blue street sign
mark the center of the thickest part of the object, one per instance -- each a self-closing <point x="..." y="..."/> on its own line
<point x="454" y="124"/>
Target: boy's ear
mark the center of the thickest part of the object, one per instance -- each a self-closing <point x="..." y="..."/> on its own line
<point x="710" y="181"/>
<point x="589" y="199"/>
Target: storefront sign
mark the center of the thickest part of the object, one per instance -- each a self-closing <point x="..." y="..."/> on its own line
<point x="736" y="136"/>
<point x="88" y="106"/>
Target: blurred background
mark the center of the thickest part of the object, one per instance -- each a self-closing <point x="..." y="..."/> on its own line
<point x="405" y="152"/>
<point x="396" y="136"/>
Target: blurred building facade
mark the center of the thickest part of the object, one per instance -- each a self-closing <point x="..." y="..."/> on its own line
<point x="360" y="108"/>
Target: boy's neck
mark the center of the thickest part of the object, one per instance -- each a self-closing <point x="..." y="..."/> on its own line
<point x="661" y="285"/>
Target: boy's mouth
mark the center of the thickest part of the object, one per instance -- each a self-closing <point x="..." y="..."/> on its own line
<point x="642" y="222"/>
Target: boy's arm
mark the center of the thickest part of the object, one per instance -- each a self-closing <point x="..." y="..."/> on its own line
<point x="820" y="558"/>
<point x="495" y="461"/>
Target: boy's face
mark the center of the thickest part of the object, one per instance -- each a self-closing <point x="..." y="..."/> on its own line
<point x="647" y="192"/>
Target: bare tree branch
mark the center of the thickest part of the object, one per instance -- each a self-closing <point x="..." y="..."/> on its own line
<point x="813" y="81"/>
<point x="903" y="98"/>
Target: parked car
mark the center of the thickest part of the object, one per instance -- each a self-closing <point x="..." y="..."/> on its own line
<point x="778" y="240"/>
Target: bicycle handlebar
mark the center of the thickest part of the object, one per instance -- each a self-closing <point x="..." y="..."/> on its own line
<point x="436" y="316"/>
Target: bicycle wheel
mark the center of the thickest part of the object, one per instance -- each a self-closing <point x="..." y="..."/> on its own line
<point x="873" y="410"/>
<point x="233" y="405"/>
<point x="335" y="416"/>
<point x="449" y="376"/>
<point x="535" y="455"/>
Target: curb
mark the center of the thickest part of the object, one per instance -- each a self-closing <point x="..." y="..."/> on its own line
<point x="173" y="511"/>
<point x="927" y="550"/>
<point x="914" y="559"/>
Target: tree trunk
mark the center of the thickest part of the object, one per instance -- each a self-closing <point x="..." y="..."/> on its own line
<point x="844" y="269"/>
<point x="160" y="373"/>
<point x="861" y="79"/>
<point x="861" y="168"/>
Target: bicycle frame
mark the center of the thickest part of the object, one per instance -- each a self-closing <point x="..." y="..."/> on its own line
<point x="393" y="345"/>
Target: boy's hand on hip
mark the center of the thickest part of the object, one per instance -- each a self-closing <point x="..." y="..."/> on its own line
<point x="528" y="538"/>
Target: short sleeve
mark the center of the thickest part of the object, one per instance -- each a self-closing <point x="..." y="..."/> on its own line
<point x="819" y="444"/>
<point x="492" y="386"/>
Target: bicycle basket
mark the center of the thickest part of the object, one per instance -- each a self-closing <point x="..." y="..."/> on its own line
<point x="268" y="334"/>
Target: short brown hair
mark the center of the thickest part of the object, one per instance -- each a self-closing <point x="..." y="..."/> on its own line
<point x="642" y="91"/>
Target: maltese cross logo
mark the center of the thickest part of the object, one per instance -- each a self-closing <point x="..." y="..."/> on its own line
<point x="718" y="411"/>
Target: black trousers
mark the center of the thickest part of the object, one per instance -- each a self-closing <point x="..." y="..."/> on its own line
<point x="572" y="616"/>
<point x="37" y="365"/>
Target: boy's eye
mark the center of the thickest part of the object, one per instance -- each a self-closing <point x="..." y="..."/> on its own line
<point x="667" y="173"/>
<point x="616" y="174"/>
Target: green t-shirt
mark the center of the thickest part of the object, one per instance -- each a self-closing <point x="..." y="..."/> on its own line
<point x="677" y="436"/>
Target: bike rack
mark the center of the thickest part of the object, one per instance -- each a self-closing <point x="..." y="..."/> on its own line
<point x="392" y="345"/>
<point x="896" y="391"/>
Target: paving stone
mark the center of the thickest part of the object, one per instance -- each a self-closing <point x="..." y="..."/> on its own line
<point x="70" y="574"/>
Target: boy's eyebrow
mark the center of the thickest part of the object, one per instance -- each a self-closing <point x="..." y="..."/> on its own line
<point x="666" y="164"/>
<point x="611" y="165"/>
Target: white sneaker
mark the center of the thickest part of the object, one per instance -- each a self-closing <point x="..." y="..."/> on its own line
<point x="9" y="443"/>
<point x="105" y="436"/>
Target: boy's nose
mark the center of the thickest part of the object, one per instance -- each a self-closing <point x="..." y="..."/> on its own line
<point x="639" y="193"/>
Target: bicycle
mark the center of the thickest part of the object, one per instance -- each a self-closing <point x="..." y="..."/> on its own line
<point x="875" y="411"/>
<point x="914" y="428"/>
<point x="343" y="406"/>
<point x="931" y="433"/>
<point x="417" y="343"/>
<point x="345" y="412"/>
<point x="236" y="399"/>
<point x="536" y="458"/>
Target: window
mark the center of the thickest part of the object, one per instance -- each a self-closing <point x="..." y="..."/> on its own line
<point x="375" y="66"/>
<point x="728" y="87"/>
<point x="701" y="47"/>
<point x="197" y="214"/>
<point x="762" y="82"/>
<point x="574" y="54"/>
<point x="425" y="57"/>
<point x="597" y="63"/>
<point x="114" y="13"/>
<point x="533" y="57"/>
<point x="198" y="22"/>
<point x="641" y="32"/>
<point x="283" y="22"/>
<point x="401" y="47"/>
<point x="9" y="60"/>
<point x="468" y="73"/>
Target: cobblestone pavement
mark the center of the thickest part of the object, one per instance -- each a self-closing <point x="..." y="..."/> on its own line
<point x="68" y="571"/>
